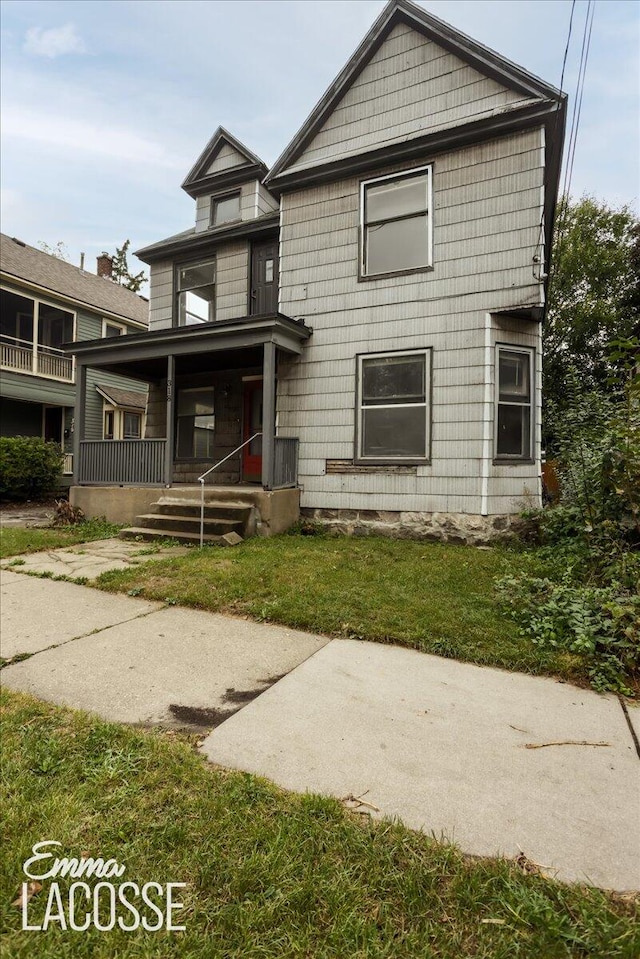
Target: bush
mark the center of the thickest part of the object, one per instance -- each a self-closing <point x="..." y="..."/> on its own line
<point x="29" y="467"/>
<point x="585" y="601"/>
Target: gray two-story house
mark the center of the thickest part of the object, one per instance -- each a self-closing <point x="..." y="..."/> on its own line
<point x="359" y="325"/>
<point x="44" y="303"/>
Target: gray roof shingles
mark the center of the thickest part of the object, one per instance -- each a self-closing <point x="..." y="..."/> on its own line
<point x="51" y="273"/>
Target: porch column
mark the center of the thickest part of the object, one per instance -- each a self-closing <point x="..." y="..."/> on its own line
<point x="171" y="394"/>
<point x="79" y="418"/>
<point x="268" y="415"/>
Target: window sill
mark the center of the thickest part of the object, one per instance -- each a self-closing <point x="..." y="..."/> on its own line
<point x="365" y="277"/>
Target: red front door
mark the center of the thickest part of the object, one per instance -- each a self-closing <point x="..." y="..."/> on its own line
<point x="252" y="423"/>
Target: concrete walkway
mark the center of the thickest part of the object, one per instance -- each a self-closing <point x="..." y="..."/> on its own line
<point x="89" y="560"/>
<point x="500" y="763"/>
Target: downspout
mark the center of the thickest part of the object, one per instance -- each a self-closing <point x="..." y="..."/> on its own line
<point x="488" y="419"/>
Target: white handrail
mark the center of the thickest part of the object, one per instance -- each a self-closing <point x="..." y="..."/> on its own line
<point x="215" y="466"/>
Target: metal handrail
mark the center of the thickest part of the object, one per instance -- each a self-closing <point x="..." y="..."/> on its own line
<point x="215" y="466"/>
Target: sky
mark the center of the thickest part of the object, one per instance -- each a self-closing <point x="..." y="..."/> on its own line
<point x="106" y="104"/>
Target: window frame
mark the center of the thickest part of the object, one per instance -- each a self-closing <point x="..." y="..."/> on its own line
<point x="359" y="458"/>
<point x="506" y="459"/>
<point x="178" y="416"/>
<point x="363" y="275"/>
<point x="185" y="265"/>
<point x="118" y="413"/>
<point x="119" y="326"/>
<point x="219" y="197"/>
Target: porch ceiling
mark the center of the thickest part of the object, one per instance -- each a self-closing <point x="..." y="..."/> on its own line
<point x="232" y="338"/>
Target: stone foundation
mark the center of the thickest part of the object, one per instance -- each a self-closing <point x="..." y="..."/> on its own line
<point x="458" y="528"/>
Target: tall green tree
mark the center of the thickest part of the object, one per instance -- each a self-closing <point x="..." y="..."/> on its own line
<point x="594" y="300"/>
<point x="121" y="273"/>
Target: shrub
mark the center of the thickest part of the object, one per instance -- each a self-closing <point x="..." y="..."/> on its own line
<point x="29" y="467"/>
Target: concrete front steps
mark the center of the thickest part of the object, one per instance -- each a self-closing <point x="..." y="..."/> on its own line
<point x="174" y="517"/>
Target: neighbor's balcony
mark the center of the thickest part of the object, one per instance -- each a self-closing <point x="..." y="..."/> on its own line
<point x="24" y="356"/>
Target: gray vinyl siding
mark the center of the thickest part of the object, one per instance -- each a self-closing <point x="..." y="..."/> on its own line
<point x="232" y="280"/>
<point x="227" y="158"/>
<point x="267" y="203"/>
<point x="161" y="295"/>
<point x="410" y="87"/>
<point x="486" y="223"/>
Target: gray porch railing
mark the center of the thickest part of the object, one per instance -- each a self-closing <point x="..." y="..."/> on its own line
<point x="121" y="463"/>
<point x="286" y="462"/>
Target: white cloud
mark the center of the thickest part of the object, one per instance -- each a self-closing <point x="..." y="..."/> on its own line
<point x="68" y="135"/>
<point x="55" y="42"/>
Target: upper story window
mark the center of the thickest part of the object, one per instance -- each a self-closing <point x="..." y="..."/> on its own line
<point x="396" y="223"/>
<point x="225" y="209"/>
<point x="514" y="408"/>
<point x="197" y="293"/>
<point x="393" y="407"/>
<point x="113" y="329"/>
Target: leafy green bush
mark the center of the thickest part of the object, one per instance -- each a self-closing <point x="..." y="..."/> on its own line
<point x="599" y="623"/>
<point x="585" y="598"/>
<point x="29" y="467"/>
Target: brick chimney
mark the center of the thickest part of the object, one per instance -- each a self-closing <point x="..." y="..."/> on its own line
<point x="105" y="265"/>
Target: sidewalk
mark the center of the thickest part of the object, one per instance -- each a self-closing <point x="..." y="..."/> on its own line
<point x="498" y="762"/>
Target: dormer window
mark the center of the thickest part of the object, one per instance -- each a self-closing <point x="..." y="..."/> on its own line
<point x="225" y="209"/>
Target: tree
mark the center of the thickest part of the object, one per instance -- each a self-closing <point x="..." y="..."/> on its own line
<point x="120" y="272"/>
<point x="594" y="298"/>
<point x="59" y="250"/>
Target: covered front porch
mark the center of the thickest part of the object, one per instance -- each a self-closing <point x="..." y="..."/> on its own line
<point x="211" y="406"/>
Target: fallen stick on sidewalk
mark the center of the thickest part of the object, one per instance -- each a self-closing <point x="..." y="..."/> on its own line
<point x="564" y="742"/>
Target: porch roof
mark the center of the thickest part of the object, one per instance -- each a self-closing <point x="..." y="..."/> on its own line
<point x="238" y="334"/>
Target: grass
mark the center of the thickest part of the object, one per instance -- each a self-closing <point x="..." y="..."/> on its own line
<point x="269" y="874"/>
<point x="15" y="541"/>
<point x="432" y="597"/>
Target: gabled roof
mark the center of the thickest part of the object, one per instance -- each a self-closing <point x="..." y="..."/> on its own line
<point x="203" y="179"/>
<point x="396" y="12"/>
<point x="20" y="262"/>
<point x="193" y="241"/>
<point x="132" y="399"/>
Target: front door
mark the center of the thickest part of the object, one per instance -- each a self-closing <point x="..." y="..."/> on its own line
<point x="53" y="422"/>
<point x="264" y="278"/>
<point x="252" y="423"/>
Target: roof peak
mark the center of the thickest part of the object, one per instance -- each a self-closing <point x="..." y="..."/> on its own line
<point x="204" y="175"/>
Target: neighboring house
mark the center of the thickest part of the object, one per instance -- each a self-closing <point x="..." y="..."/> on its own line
<point x="372" y="305"/>
<point x="46" y="303"/>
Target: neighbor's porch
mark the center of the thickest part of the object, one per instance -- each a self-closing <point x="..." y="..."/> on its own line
<point x="211" y="407"/>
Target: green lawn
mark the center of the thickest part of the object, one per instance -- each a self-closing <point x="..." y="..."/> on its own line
<point x="14" y="541"/>
<point x="431" y="597"/>
<point x="269" y="874"/>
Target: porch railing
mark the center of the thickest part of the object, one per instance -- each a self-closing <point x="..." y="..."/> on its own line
<point x="286" y="462"/>
<point x="211" y="469"/>
<point x="67" y="467"/>
<point x="122" y="463"/>
<point x="24" y="356"/>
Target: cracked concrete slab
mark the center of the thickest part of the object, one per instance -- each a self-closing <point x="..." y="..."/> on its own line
<point x="443" y="746"/>
<point x="90" y="560"/>
<point x="36" y="613"/>
<point x="204" y="665"/>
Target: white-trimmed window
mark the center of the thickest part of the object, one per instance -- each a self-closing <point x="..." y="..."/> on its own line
<point x="197" y="293"/>
<point x="514" y="403"/>
<point x="121" y="424"/>
<point x="111" y="328"/>
<point x="225" y="209"/>
<point x="393" y="407"/>
<point x="395" y="223"/>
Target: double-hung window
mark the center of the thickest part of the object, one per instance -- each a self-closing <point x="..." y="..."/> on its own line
<point x="225" y="209"/>
<point x="396" y="223"/>
<point x="514" y="407"/>
<point x="197" y="293"/>
<point x="393" y="407"/>
<point x="195" y="424"/>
